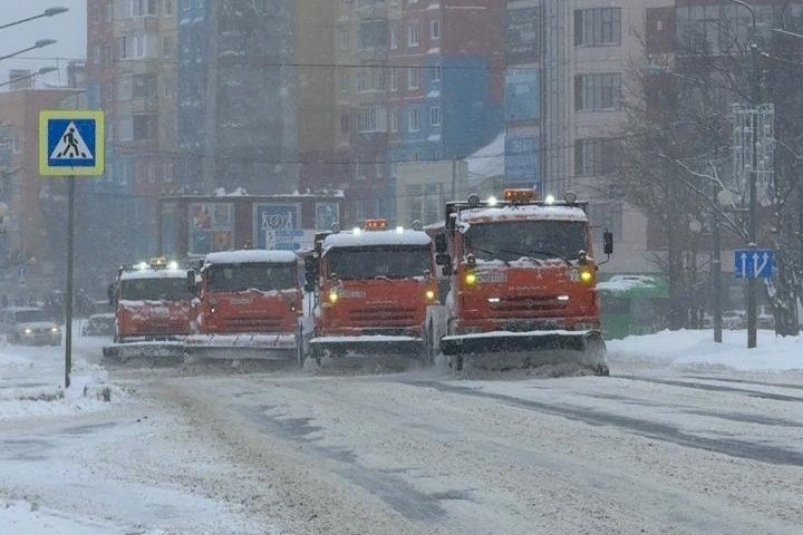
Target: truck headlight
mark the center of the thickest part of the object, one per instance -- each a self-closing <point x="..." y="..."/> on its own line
<point x="430" y="295"/>
<point x="54" y="330"/>
<point x="471" y="279"/>
<point x="586" y="276"/>
<point x="28" y="330"/>
<point x="333" y="297"/>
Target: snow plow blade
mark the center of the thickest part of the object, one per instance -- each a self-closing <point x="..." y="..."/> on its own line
<point x="541" y="348"/>
<point x="237" y="347"/>
<point x="157" y="352"/>
<point x="367" y="345"/>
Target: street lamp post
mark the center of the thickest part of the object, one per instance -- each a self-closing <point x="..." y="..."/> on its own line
<point x="49" y="12"/>
<point x="41" y="43"/>
<point x="755" y="90"/>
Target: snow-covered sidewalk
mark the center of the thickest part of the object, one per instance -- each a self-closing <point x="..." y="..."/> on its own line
<point x="697" y="349"/>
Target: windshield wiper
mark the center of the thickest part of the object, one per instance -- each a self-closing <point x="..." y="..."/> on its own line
<point x="547" y="254"/>
<point x="490" y="253"/>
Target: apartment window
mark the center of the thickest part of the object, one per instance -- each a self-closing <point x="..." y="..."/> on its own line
<point x="598" y="27"/>
<point x="343" y="39"/>
<point x="435" y="30"/>
<point x="436" y="73"/>
<point x="141" y="8"/>
<point x="596" y="92"/>
<point x="125" y="89"/>
<point x="394" y="80"/>
<point x="412" y="34"/>
<point x="394" y="38"/>
<point x="144" y="86"/>
<point x="366" y="120"/>
<point x="168" y="47"/>
<point x="595" y="157"/>
<point x="344" y="82"/>
<point x="412" y="78"/>
<point x="413" y="121"/>
<point x="373" y="34"/>
<point x="168" y="7"/>
<point x="123" y="47"/>
<point x="435" y="116"/>
<point x="393" y="117"/>
<point x="345" y="123"/>
<point x="144" y="127"/>
<point x="125" y="129"/>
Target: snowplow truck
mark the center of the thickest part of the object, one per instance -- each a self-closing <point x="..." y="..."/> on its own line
<point x="372" y="287"/>
<point x="152" y="312"/>
<point x="247" y="306"/>
<point x="523" y="284"/>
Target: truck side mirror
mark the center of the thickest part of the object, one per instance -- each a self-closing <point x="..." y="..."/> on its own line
<point x="192" y="286"/>
<point x="607" y="239"/>
<point x="440" y="244"/>
<point x="311" y="273"/>
<point x="443" y="259"/>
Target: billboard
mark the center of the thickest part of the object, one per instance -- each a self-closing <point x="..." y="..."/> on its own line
<point x="522" y="35"/>
<point x="522" y="95"/>
<point x="211" y="227"/>
<point x="277" y="226"/>
<point x="522" y="164"/>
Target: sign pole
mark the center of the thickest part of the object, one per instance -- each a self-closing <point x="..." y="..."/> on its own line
<point x="70" y="273"/>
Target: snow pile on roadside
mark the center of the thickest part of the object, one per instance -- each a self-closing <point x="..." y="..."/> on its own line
<point x="31" y="384"/>
<point x="23" y="518"/>
<point x="697" y="349"/>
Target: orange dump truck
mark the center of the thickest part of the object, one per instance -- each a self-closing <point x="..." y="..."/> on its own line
<point x="523" y="283"/>
<point x="248" y="305"/>
<point x="152" y="311"/>
<point x="372" y="288"/>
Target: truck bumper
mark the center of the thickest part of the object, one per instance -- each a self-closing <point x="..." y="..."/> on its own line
<point x="368" y="345"/>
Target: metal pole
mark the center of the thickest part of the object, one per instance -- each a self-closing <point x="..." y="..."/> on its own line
<point x="70" y="268"/>
<point x="716" y="271"/>
<point x="752" y="283"/>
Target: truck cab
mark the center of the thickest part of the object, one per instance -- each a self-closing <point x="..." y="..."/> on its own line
<point x="247" y="299"/>
<point x="523" y="279"/>
<point x="151" y="302"/>
<point x="373" y="287"/>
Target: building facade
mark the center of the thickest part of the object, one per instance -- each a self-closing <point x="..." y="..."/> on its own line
<point x="132" y="76"/>
<point x="238" y="96"/>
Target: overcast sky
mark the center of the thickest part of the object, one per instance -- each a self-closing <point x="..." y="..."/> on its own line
<point x="69" y="29"/>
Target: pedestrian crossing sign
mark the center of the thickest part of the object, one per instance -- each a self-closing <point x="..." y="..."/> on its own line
<point x="71" y="142"/>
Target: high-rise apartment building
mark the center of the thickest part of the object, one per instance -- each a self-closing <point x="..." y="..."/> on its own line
<point x="132" y="76"/>
<point x="238" y="95"/>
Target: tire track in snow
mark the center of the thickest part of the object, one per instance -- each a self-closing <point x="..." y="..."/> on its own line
<point x="645" y="428"/>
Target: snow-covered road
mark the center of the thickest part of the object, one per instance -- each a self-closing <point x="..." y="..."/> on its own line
<point x="652" y="449"/>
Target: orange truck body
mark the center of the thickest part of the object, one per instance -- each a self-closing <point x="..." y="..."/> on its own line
<point x="523" y="280"/>
<point x="248" y="299"/>
<point x="373" y="288"/>
<point x="152" y="303"/>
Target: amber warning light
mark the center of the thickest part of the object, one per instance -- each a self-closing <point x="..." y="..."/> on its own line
<point x="376" y="224"/>
<point x="520" y="196"/>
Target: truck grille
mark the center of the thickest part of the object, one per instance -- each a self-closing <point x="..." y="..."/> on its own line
<point x="528" y="306"/>
<point x="382" y="316"/>
<point x="258" y="325"/>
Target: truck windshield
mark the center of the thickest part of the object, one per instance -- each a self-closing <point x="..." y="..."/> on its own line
<point x="368" y="263"/>
<point x="166" y="289"/>
<point x="513" y="240"/>
<point x="244" y="277"/>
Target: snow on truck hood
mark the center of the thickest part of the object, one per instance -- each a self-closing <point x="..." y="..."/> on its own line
<point x="376" y="238"/>
<point x="528" y="212"/>
<point x="153" y="274"/>
<point x="251" y="256"/>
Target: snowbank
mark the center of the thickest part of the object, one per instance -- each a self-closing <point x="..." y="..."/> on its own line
<point x="698" y="349"/>
<point x="27" y="518"/>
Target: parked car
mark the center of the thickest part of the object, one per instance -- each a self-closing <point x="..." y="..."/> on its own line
<point x="734" y="319"/>
<point x="99" y="325"/>
<point x="29" y="326"/>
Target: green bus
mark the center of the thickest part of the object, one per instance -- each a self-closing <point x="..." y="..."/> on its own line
<point x="633" y="304"/>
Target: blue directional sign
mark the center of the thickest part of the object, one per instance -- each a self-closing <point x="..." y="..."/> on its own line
<point x="71" y="142"/>
<point x="754" y="263"/>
